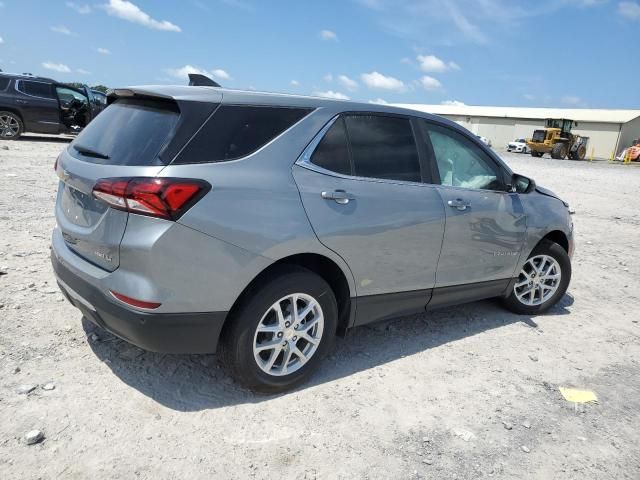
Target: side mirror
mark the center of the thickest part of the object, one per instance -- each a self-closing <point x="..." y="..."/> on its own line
<point x="521" y="184"/>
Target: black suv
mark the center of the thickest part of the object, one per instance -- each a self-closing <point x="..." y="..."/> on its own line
<point x="42" y="105"/>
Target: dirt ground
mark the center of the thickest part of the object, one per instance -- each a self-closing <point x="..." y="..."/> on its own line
<point x="462" y="393"/>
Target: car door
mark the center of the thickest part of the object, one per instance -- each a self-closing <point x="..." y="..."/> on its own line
<point x="39" y="107"/>
<point x="360" y="182"/>
<point x="485" y="224"/>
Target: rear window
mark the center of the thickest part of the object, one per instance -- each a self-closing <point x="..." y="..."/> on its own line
<point x="128" y="132"/>
<point x="235" y="131"/>
<point x="4" y="83"/>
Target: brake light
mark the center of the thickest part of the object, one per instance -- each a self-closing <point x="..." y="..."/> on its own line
<point x="166" y="198"/>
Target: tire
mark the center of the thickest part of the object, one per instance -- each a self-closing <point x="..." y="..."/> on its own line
<point x="559" y="151"/>
<point x="538" y="304"/>
<point x="11" y="126"/>
<point x="581" y="153"/>
<point x="240" y="337"/>
<point x="536" y="154"/>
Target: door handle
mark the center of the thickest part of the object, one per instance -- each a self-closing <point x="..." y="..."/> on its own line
<point x="339" y="196"/>
<point x="459" y="203"/>
<point x="24" y="102"/>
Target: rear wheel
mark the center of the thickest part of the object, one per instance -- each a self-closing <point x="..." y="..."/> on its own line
<point x="11" y="126"/>
<point x="281" y="331"/>
<point x="542" y="281"/>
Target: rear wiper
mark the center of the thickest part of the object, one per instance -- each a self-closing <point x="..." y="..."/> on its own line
<point x="90" y="153"/>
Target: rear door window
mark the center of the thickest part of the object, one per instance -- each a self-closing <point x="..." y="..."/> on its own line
<point x="235" y="131"/>
<point x="383" y="147"/>
<point x="332" y="153"/>
<point x="36" y="89"/>
<point x="127" y="133"/>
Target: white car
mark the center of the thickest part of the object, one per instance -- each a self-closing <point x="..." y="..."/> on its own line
<point x="519" y="145"/>
<point x="484" y="140"/>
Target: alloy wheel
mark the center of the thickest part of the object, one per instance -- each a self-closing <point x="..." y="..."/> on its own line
<point x="288" y="334"/>
<point x="538" y="280"/>
<point x="9" y="126"/>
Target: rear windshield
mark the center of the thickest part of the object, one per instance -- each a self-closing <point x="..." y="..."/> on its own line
<point x="235" y="131"/>
<point x="128" y="132"/>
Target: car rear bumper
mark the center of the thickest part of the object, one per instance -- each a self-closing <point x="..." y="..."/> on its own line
<point x="157" y="332"/>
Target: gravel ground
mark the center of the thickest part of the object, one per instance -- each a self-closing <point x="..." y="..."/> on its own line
<point x="467" y="392"/>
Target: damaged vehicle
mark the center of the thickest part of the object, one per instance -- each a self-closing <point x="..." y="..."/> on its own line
<point x="42" y="105"/>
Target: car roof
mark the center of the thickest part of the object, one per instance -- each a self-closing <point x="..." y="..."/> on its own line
<point x="252" y="97"/>
<point x="26" y="76"/>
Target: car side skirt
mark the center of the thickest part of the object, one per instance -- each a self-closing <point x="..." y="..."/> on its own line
<point x="373" y="308"/>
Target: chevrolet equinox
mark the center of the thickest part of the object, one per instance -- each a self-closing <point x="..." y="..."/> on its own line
<point x="194" y="219"/>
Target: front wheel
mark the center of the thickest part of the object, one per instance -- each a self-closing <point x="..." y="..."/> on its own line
<point x="542" y="281"/>
<point x="281" y="331"/>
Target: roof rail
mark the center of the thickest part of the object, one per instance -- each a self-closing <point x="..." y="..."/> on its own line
<point x="198" y="80"/>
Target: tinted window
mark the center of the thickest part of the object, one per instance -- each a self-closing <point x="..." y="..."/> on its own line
<point x="461" y="162"/>
<point x="4" y="83"/>
<point x="383" y="147"/>
<point x="332" y="152"/>
<point x="235" y="131"/>
<point x="129" y="132"/>
<point x="37" y="89"/>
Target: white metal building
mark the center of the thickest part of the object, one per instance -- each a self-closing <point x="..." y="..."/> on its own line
<point x="608" y="130"/>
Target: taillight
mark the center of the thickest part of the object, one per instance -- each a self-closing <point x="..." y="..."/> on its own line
<point x="165" y="198"/>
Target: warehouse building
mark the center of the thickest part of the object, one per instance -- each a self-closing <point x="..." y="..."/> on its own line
<point x="608" y="130"/>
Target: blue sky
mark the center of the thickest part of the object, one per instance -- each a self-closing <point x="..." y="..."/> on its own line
<point x="571" y="53"/>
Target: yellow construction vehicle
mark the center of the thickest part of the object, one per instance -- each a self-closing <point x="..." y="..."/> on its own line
<point x="557" y="139"/>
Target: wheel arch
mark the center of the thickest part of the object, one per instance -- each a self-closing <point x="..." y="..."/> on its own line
<point x="557" y="236"/>
<point x="319" y="264"/>
<point x="13" y="110"/>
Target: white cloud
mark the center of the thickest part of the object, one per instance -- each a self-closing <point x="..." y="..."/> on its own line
<point x="530" y="97"/>
<point x="331" y="94"/>
<point x="382" y="82"/>
<point x="295" y="83"/>
<point x="82" y="9"/>
<point x="56" y="67"/>
<point x="431" y="63"/>
<point x="347" y="82"/>
<point x="379" y="101"/>
<point x="630" y="10"/>
<point x="328" y="35"/>
<point x="130" y="12"/>
<point x="82" y="71"/>
<point x="220" y="74"/>
<point x="183" y="72"/>
<point x="453" y="103"/>
<point x="61" y="29"/>
<point x="1" y="40"/>
<point x="103" y="51"/>
<point x="328" y="78"/>
<point x="430" y="83"/>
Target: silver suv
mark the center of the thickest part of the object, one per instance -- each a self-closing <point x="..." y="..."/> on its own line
<point x="194" y="219"/>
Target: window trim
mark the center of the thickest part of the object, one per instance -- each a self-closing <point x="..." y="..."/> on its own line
<point x="501" y="171"/>
<point x="304" y="160"/>
<point x="19" y="81"/>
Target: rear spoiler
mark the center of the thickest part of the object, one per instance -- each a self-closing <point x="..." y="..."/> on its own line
<point x="198" y="80"/>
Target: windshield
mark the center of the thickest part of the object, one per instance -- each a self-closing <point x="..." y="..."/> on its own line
<point x="127" y="133"/>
